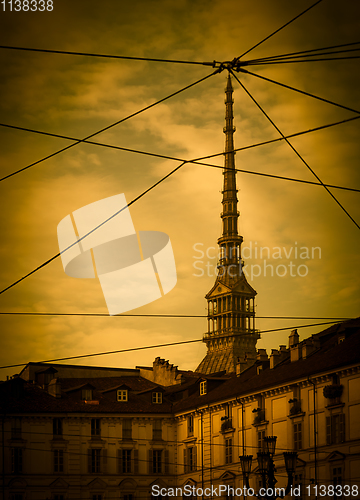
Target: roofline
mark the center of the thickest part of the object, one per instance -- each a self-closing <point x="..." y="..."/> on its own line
<point x="95" y="367"/>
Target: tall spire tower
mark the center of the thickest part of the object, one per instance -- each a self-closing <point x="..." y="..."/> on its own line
<point x="231" y="337"/>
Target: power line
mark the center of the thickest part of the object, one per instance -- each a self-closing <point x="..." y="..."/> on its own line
<point x="279" y="29"/>
<point x="198" y="160"/>
<point x="109" y="126"/>
<point x="285" y="61"/>
<point x="160" y="345"/>
<point x="126" y="315"/>
<point x="305" y="52"/>
<point x="299" y="91"/>
<point x="108" y="56"/>
<point x="90" y="232"/>
<point x="123" y="415"/>
<point x="297" y="153"/>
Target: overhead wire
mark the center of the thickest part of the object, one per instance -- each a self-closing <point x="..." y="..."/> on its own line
<point x="107" y="56"/>
<point x="90" y="232"/>
<point x="123" y="415"/>
<point x="161" y="345"/>
<point x="125" y="315"/>
<point x="307" y="52"/>
<point x="199" y="161"/>
<point x="289" y="61"/>
<point x="300" y="91"/>
<point x="296" y="152"/>
<point x="110" y="126"/>
<point x="279" y="29"/>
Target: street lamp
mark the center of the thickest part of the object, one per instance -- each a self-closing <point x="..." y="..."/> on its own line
<point x="267" y="469"/>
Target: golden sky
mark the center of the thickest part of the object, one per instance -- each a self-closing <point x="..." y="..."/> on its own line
<point x="76" y="96"/>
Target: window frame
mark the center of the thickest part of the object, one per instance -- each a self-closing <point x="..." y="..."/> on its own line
<point x="126" y="430"/>
<point x="203" y="387"/>
<point x="17" y="460"/>
<point x="157" y="398"/>
<point x="298" y="436"/>
<point x="122" y="395"/>
<point x="95" y="428"/>
<point x="57" y="427"/>
<point x="58" y="460"/>
<point x="228" y="451"/>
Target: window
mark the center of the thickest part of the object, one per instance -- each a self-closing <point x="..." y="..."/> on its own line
<point x="122" y="395"/>
<point x="335" y="429"/>
<point x="298" y="436"/>
<point x="16" y="428"/>
<point x="157" y="429"/>
<point x="128" y="461"/>
<point x="97" y="497"/>
<point x="127" y="428"/>
<point x="190" y="460"/>
<point x="228" y="451"/>
<point x="95" y="457"/>
<point x="260" y="439"/>
<point x="58" y="461"/>
<point x="57" y="427"/>
<point x="129" y="496"/>
<point x="58" y="497"/>
<point x="337" y="479"/>
<point x="190" y="425"/>
<point x="17" y="496"/>
<point x="16" y="460"/>
<point x="95" y="427"/>
<point x="125" y="461"/>
<point x="157" y="397"/>
<point x="156" y="461"/>
<point x="203" y="387"/>
<point x="86" y="394"/>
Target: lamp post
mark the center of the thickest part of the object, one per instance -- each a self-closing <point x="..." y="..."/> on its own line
<point x="267" y="470"/>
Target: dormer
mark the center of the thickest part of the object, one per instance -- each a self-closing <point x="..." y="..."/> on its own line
<point x="85" y="392"/>
<point x="118" y="393"/>
<point x="155" y="395"/>
<point x="44" y="377"/>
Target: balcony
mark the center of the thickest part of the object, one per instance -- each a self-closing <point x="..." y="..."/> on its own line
<point x="259" y="417"/>
<point x="226" y="425"/>
<point x="333" y="394"/>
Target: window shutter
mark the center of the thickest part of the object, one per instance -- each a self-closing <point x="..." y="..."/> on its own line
<point x="195" y="457"/>
<point x="89" y="460"/>
<point x="185" y="460"/>
<point x="342" y="428"/>
<point x="328" y="430"/>
<point x="136" y="461"/>
<point x="166" y="462"/>
<point x="104" y="461"/>
<point x="150" y="461"/>
<point x="119" y="464"/>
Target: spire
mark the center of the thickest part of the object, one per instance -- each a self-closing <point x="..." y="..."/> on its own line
<point x="231" y="337"/>
<point x="230" y="241"/>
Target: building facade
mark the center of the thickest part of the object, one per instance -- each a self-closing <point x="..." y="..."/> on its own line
<point x="157" y="429"/>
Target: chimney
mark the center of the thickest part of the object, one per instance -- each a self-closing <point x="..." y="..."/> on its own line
<point x="293" y="338"/>
<point x="274" y="358"/>
<point x="261" y="355"/>
<point x="295" y="353"/>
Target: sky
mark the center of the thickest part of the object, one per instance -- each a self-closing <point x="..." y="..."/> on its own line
<point x="302" y="228"/>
